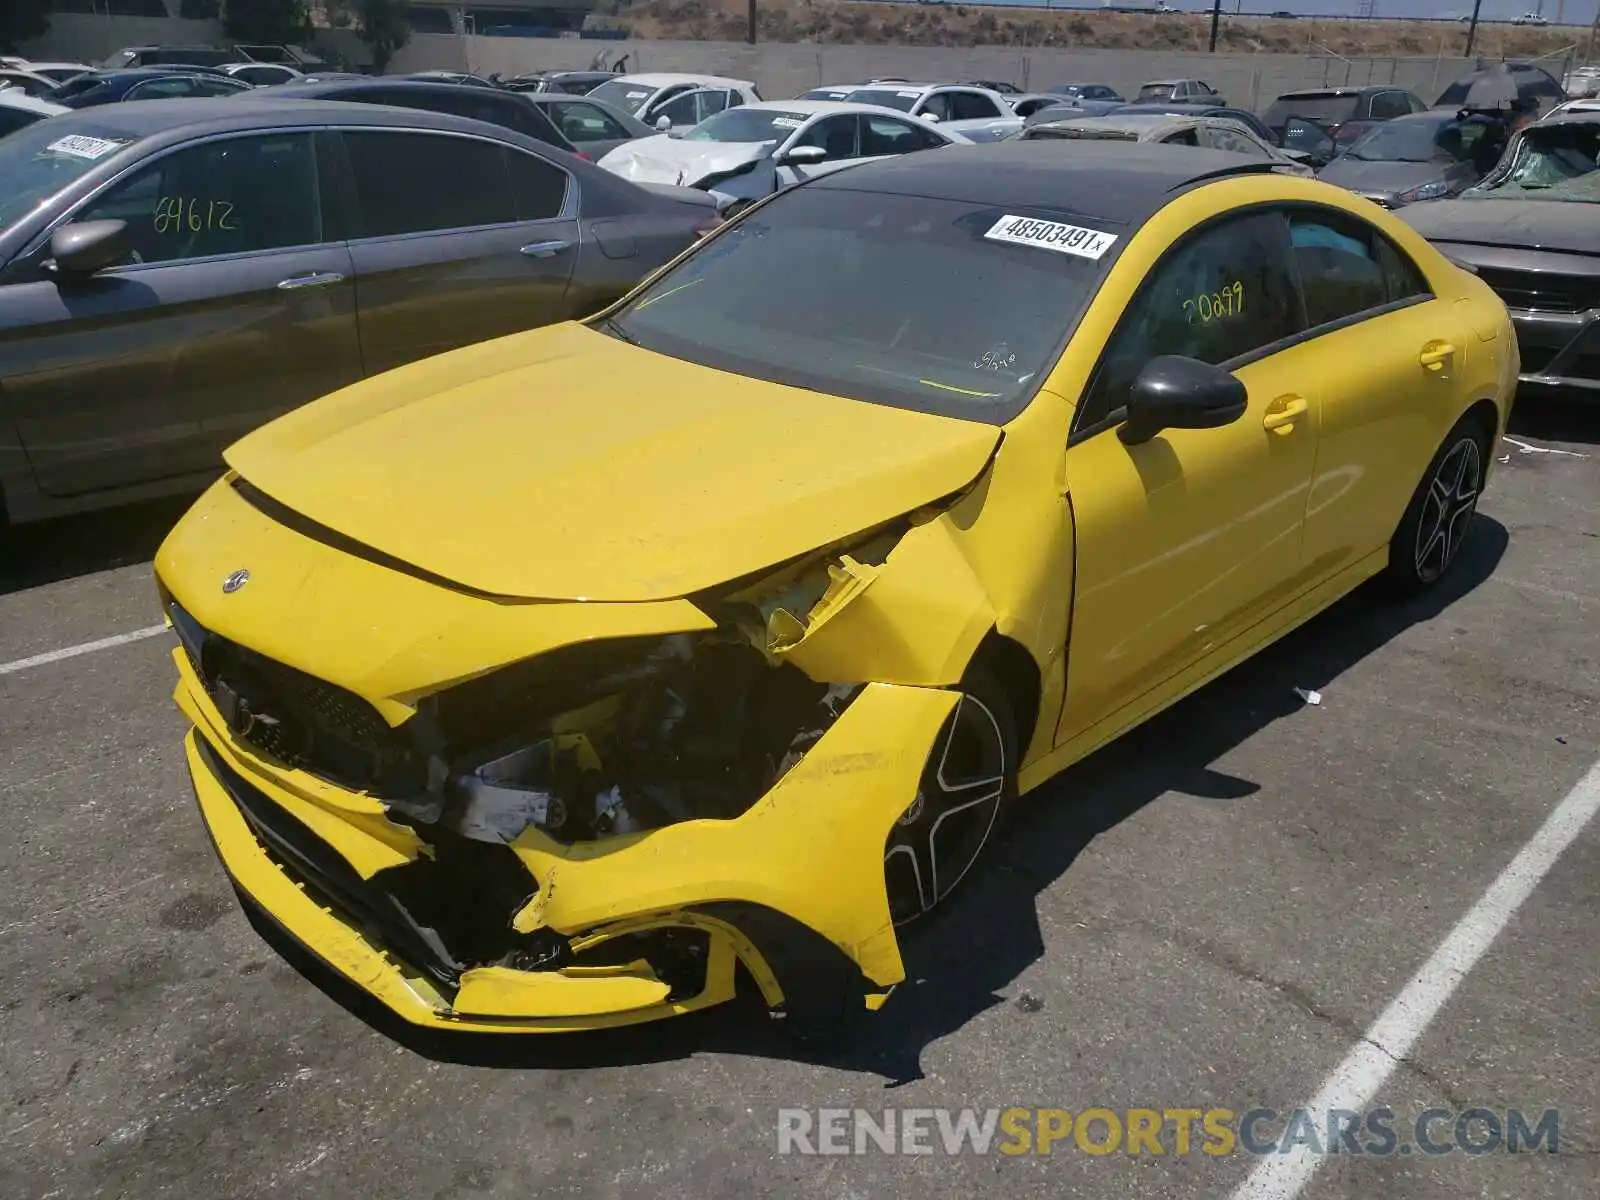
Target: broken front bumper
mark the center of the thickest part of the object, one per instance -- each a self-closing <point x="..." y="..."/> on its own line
<point x="793" y="888"/>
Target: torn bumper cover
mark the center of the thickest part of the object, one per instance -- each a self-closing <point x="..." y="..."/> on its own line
<point x="476" y="924"/>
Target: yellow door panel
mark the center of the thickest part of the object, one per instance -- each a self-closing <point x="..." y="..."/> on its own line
<point x="1383" y="416"/>
<point x="1186" y="540"/>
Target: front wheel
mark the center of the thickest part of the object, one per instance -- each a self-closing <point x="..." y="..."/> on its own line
<point x="1436" y="521"/>
<point x="967" y="784"/>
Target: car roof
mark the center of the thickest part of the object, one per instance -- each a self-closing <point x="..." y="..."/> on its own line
<point x="17" y="98"/>
<point x="1115" y="182"/>
<point x="1140" y="122"/>
<point x="138" y="119"/>
<point x="1589" y="114"/>
<point x="664" y="79"/>
<point x="813" y="107"/>
<point x="1325" y="93"/>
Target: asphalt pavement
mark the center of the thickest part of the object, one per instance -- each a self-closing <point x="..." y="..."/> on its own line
<point x="1209" y="914"/>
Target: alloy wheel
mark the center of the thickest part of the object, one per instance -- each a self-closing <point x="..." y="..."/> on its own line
<point x="937" y="839"/>
<point x="1447" y="508"/>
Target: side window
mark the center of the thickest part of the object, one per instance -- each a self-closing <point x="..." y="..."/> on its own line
<point x="936" y="105"/>
<point x="533" y="121"/>
<point x="708" y="104"/>
<point x="586" y="123"/>
<point x="650" y="112"/>
<point x="1402" y="278"/>
<point x="971" y="106"/>
<point x="540" y="187"/>
<point x="1341" y="274"/>
<point x="684" y="110"/>
<point x="229" y="196"/>
<point x="1388" y="105"/>
<point x="1184" y="137"/>
<point x="1224" y="138"/>
<point x="836" y="135"/>
<point x="160" y="89"/>
<point x="885" y="135"/>
<point x="1220" y="294"/>
<point x="930" y="140"/>
<point x="219" y="86"/>
<point x="413" y="182"/>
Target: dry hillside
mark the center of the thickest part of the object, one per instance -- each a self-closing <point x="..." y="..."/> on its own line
<point x="845" y="21"/>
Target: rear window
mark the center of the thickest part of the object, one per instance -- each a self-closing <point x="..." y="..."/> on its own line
<point x="866" y="309"/>
<point x="1156" y="91"/>
<point x="1321" y="109"/>
<point x="901" y="98"/>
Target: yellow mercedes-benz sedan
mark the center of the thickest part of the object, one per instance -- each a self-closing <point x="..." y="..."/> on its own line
<point x="565" y="680"/>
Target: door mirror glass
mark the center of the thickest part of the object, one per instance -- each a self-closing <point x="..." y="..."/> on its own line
<point x="1173" y="392"/>
<point x="82" y="248"/>
<point x="800" y="156"/>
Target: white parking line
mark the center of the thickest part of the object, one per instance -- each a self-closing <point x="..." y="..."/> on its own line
<point x="1357" y="1079"/>
<point x="105" y="643"/>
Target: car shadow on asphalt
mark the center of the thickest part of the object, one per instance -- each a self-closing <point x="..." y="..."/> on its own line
<point x="963" y="961"/>
<point x="67" y="547"/>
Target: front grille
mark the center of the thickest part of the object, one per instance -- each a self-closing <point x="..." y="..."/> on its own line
<point x="330" y="880"/>
<point x="1542" y="291"/>
<point x="300" y="720"/>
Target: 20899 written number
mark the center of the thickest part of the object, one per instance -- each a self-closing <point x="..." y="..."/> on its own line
<point x="1208" y="307"/>
<point x="174" y="214"/>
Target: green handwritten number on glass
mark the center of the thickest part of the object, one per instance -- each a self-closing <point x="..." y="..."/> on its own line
<point x="1213" y="306"/>
<point x="174" y="214"/>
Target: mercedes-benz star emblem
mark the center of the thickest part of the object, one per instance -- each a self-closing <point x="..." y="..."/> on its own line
<point x="234" y="582"/>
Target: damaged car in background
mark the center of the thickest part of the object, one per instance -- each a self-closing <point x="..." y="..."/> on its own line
<point x="570" y="679"/>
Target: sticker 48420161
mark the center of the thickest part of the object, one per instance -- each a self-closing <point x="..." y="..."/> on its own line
<point x="1051" y="235"/>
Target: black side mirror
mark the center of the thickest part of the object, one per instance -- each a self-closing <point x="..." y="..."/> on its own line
<point x="1173" y="392"/>
<point x="82" y="248"/>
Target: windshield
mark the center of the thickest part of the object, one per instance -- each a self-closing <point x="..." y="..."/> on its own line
<point x="1433" y="138"/>
<point x="746" y="125"/>
<point x="901" y="98"/>
<point x="1324" y="110"/>
<point x="865" y="308"/>
<point x="629" y="97"/>
<point x="38" y="161"/>
<point x="1558" y="162"/>
<point x="1156" y="91"/>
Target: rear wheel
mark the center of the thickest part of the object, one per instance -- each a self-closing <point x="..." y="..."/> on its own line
<point x="967" y="784"/>
<point x="1435" y="523"/>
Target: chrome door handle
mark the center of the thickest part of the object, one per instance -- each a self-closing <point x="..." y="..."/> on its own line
<point x="316" y="279"/>
<point x="545" y="249"/>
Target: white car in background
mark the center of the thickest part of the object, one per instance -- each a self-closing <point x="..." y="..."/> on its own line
<point x="748" y="152"/>
<point x="652" y="98"/>
<point x="56" y="72"/>
<point x="1215" y="133"/>
<point x="258" y="74"/>
<point x="18" y="109"/>
<point x="974" y="112"/>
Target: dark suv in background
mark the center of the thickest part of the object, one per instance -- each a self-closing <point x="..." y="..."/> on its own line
<point x="1345" y="112"/>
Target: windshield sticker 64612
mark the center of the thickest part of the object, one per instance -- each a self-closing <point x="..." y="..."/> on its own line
<point x="1051" y="235"/>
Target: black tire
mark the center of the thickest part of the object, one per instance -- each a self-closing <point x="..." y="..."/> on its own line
<point x="967" y="790"/>
<point x="1430" y="534"/>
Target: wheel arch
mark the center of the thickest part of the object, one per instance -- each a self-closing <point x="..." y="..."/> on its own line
<point x="1018" y="675"/>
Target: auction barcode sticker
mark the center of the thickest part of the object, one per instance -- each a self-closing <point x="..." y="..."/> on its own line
<point x="1051" y="235"/>
<point x="82" y="146"/>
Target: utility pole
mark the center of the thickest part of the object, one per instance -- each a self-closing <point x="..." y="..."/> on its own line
<point x="750" y="28"/>
<point x="1216" y="19"/>
<point x="1472" y="29"/>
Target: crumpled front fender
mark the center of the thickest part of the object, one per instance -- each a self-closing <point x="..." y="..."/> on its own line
<point x="811" y="848"/>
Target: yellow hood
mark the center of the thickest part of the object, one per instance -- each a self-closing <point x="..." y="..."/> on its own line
<point x="565" y="464"/>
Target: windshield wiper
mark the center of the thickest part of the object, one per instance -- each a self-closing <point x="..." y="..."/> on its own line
<point x="613" y="327"/>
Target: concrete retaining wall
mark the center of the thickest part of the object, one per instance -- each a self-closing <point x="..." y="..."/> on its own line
<point x="779" y="69"/>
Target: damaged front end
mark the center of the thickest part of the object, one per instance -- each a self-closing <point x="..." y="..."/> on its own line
<point x="593" y="835"/>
